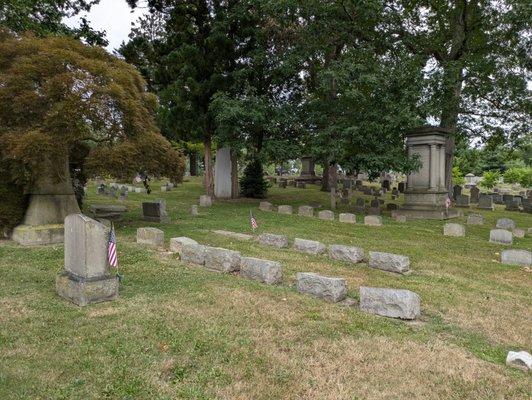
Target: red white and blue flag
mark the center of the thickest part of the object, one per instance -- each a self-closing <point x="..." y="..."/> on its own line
<point x="447" y="202"/>
<point x="253" y="221"/>
<point x="111" y="250"/>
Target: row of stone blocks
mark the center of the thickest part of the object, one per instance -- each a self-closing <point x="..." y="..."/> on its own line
<point x="327" y="215"/>
<point x="393" y="303"/>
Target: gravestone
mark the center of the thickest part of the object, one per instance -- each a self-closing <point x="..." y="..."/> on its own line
<point x="375" y="203"/>
<point x="518" y="233"/>
<point x="107" y="211"/>
<point x="270" y="239"/>
<point x="462" y="200"/>
<point x="401" y="187"/>
<point x="474" y="193"/>
<point x="327" y="288"/>
<point x="282" y="184"/>
<point x="155" y="211"/>
<point x="360" y="205"/>
<point x="86" y="278"/>
<point x="265" y="206"/>
<point x="485" y="202"/>
<point x="346" y="253"/>
<point x="512" y="204"/>
<point x="506" y="198"/>
<point x="193" y="254"/>
<point x="395" y="192"/>
<point x="389" y="262"/>
<point x="516" y="257"/>
<point x="222" y="260"/>
<point x="223" y="188"/>
<point x="326" y="215"/>
<point x="205" y="201"/>
<point x="475" y="219"/>
<point x="519" y="359"/>
<point x="505" y="223"/>
<point x="456" y="230"/>
<point x="269" y="272"/>
<point x="151" y="236"/>
<point x="347" y="183"/>
<point x="194" y="210"/>
<point x="501" y="236"/>
<point x="457" y="191"/>
<point x="374" y="211"/>
<point x="372" y="220"/>
<point x="358" y="183"/>
<point x="177" y="243"/>
<point x="309" y="246"/>
<point x="305" y="211"/>
<point x="497" y="198"/>
<point x="285" y="209"/>
<point x="394" y="303"/>
<point x="426" y="191"/>
<point x="347" y="218"/>
<point x="391" y="207"/>
<point x="386" y="184"/>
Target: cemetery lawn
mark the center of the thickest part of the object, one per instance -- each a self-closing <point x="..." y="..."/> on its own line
<point x="183" y="332"/>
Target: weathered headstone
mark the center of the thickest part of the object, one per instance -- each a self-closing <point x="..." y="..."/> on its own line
<point x="474" y="193"/>
<point x="86" y="278"/>
<point x="454" y="230"/>
<point x="347" y="218"/>
<point x="265" y="206"/>
<point x="373" y="220"/>
<point x="394" y="303"/>
<point x="193" y="254"/>
<point x="205" y="201"/>
<point x="401" y="187"/>
<point x="222" y="260"/>
<point x="475" y="219"/>
<point x="513" y="204"/>
<point x="151" y="236"/>
<point x="327" y="288"/>
<point x="305" y="211"/>
<point x="107" y="211"/>
<point x="360" y="205"/>
<point x="285" y="209"/>
<point x="391" y="207"/>
<point x="194" y="210"/>
<point x="399" y="218"/>
<point x="462" y="200"/>
<point x="177" y="243"/>
<point x="505" y="223"/>
<point x="223" y="188"/>
<point x="233" y="235"/>
<point x="155" y="211"/>
<point x="326" y="215"/>
<point x="518" y="233"/>
<point x="269" y="272"/>
<point x="270" y="239"/>
<point x="516" y="257"/>
<point x="386" y="184"/>
<point x="389" y="262"/>
<point x="309" y="246"/>
<point x="346" y="253"/>
<point x="485" y="202"/>
<point x="457" y="191"/>
<point x="501" y="236"/>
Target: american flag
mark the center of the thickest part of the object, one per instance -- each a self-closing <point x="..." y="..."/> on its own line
<point x="447" y="202"/>
<point x="111" y="251"/>
<point x="253" y="221"/>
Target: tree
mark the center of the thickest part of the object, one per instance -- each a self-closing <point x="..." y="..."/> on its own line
<point x="45" y="17"/>
<point x="476" y="63"/>
<point x="62" y="101"/>
<point x="490" y="179"/>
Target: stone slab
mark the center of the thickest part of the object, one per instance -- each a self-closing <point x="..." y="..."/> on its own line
<point x="151" y="236"/>
<point x="393" y="303"/>
<point x="309" y="246"/>
<point x="501" y="236"/>
<point x="305" y="211"/>
<point x="516" y="257"/>
<point x="327" y="288"/>
<point x="346" y="253"/>
<point x="327" y="215"/>
<point x="177" y="243"/>
<point x="193" y="254"/>
<point x="270" y="239"/>
<point x="234" y="235"/>
<point x="269" y="272"/>
<point x="372" y="220"/>
<point x="505" y="223"/>
<point x="456" y="230"/>
<point x="265" y="206"/>
<point x="285" y="209"/>
<point x="86" y="291"/>
<point x="347" y="218"/>
<point x="519" y="359"/>
<point x="222" y="260"/>
<point x="389" y="262"/>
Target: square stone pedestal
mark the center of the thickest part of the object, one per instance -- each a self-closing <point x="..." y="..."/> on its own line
<point x="84" y="291"/>
<point x="29" y="235"/>
<point x="427" y="205"/>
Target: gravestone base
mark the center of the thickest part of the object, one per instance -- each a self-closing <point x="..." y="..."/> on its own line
<point x="427" y="205"/>
<point x="29" y="235"/>
<point x="84" y="291"/>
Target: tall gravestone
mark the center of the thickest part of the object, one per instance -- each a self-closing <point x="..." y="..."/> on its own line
<point x="308" y="173"/>
<point x="86" y="278"/>
<point x="223" y="168"/>
<point x="49" y="203"/>
<point x="426" y="193"/>
<point x="474" y="192"/>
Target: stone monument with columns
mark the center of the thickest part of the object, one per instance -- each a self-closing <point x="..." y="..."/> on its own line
<point x="425" y="192"/>
<point x="308" y="174"/>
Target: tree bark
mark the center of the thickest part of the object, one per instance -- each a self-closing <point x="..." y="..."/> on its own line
<point x="234" y="175"/>
<point x="209" y="175"/>
<point x="333" y="176"/>
<point x="325" y="178"/>
<point x="193" y="158"/>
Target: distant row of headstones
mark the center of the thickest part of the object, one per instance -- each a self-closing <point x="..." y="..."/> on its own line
<point x="486" y="201"/>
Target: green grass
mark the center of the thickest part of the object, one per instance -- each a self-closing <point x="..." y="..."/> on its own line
<point x="183" y="332"/>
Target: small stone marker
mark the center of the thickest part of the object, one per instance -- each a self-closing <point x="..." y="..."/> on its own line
<point x="270" y="239"/>
<point x="155" y="211"/>
<point x="177" y="243"/>
<point x="518" y="233"/>
<point x="327" y="288"/>
<point x="517" y="257"/>
<point x="346" y="253"/>
<point x="151" y="236"/>
<point x="194" y="210"/>
<point x="270" y="272"/>
<point x="451" y="229"/>
<point x="222" y="260"/>
<point x="394" y="303"/>
<point x="205" y="201"/>
<point x="193" y="254"/>
<point x="505" y="223"/>
<point x="305" y="211"/>
<point x="389" y="262"/>
<point x="485" y="202"/>
<point x="86" y="278"/>
<point x="474" y="192"/>
<point x="284" y="209"/>
<point x="107" y="211"/>
<point x="327" y="215"/>
<point x="309" y="246"/>
<point x="475" y="219"/>
<point x="234" y="235"/>
<point x="265" y="206"/>
<point x="373" y="220"/>
<point x="347" y="218"/>
<point x="519" y="359"/>
<point x="400" y="218"/>
<point x="501" y="236"/>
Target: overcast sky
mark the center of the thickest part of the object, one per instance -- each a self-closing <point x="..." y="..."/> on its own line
<point x="112" y="16"/>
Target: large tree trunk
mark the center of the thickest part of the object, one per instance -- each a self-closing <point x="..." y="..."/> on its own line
<point x="193" y="158"/>
<point x="325" y="187"/>
<point x="333" y="176"/>
<point x="449" y="116"/>
<point x="209" y="175"/>
<point x="234" y="174"/>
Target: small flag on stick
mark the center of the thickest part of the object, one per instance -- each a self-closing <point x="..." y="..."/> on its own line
<point x="447" y="203"/>
<point x="253" y="221"/>
<point x="111" y="251"/>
